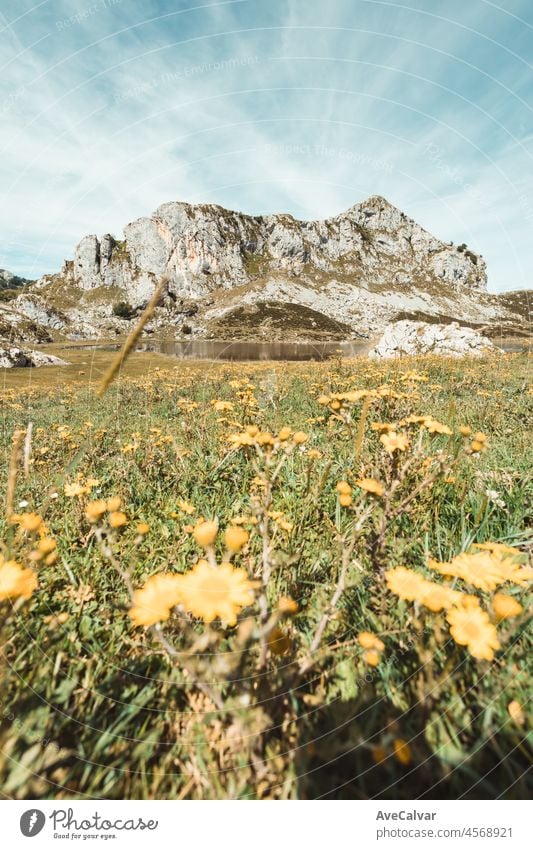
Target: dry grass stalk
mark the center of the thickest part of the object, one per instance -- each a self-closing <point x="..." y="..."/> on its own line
<point x="12" y="473"/>
<point x="27" y="449"/>
<point x="133" y="337"/>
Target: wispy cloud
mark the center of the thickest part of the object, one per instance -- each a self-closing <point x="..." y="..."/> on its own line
<point x="111" y="107"/>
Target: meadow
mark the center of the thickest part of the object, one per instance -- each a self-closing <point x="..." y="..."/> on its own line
<point x="266" y="580"/>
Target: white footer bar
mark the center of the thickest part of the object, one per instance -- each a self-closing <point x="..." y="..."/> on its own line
<point x="266" y="825"/>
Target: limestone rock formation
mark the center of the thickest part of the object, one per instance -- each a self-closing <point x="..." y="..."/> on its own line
<point x="409" y="338"/>
<point x="205" y="248"/>
<point x="14" y="357"/>
<point x="355" y="272"/>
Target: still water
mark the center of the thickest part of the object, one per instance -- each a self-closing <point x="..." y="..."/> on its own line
<point x="205" y="349"/>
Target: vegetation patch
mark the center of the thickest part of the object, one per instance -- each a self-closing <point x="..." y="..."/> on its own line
<point x="267" y="581"/>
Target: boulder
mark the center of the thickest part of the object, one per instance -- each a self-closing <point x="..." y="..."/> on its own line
<point x="13" y="357"/>
<point x="409" y="338"/>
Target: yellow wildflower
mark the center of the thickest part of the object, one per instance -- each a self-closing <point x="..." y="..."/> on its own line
<point x="479" y="443"/>
<point x="482" y="569"/>
<point x="209" y="592"/>
<point x="402" y="751"/>
<point x="371" y="485"/>
<point x="300" y="437"/>
<point x="344" y="488"/>
<point x="205" y="533"/>
<point x="367" y="640"/>
<point x="113" y="504"/>
<point x="117" y="519"/>
<point x="15" y="581"/>
<point x="434" y="426"/>
<point x="73" y="490"/>
<point x="186" y="507"/>
<point x="394" y="442"/>
<point x="235" y="538"/>
<point x="470" y="626"/>
<point x="516" y="713"/>
<point x="405" y="583"/>
<point x="95" y="509"/>
<point x="505" y="606"/>
<point x="372" y="657"/>
<point x="30" y="522"/>
<point x="287" y="606"/>
<point x="153" y="602"/>
<point x="142" y="528"/>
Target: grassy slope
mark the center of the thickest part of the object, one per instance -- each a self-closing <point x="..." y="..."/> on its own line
<point x="93" y="706"/>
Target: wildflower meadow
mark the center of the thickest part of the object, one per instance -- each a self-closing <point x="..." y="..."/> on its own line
<point x="267" y="580"/>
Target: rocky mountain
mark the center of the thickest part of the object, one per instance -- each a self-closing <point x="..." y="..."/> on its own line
<point x="8" y="280"/>
<point x="234" y="275"/>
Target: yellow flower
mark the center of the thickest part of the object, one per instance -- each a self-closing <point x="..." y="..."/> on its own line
<point x="155" y="600"/>
<point x="436" y="597"/>
<point x="470" y="626"/>
<point x="46" y="545"/>
<point x="235" y="538"/>
<point x="344" y="488"/>
<point x="479" y="443"/>
<point x="345" y="500"/>
<point x="72" y="490"/>
<point x="371" y="485"/>
<point x="516" y="713"/>
<point x="284" y="434"/>
<point x="434" y="426"/>
<point x="367" y="640"/>
<point x="117" y="519"/>
<point x="29" y="522"/>
<point x="287" y="606"/>
<point x="222" y="406"/>
<point x="95" y="509"/>
<point x="405" y="583"/>
<point x="371" y="656"/>
<point x="482" y="569"/>
<point x="402" y="751"/>
<point x="465" y="430"/>
<point x="205" y="533"/>
<point x="300" y="437"/>
<point x="209" y="592"/>
<point x="113" y="504"/>
<point x="394" y="442"/>
<point x="186" y="508"/>
<point x="499" y="549"/>
<point x="143" y="528"/>
<point x="505" y="606"/>
<point x="383" y="427"/>
<point x="15" y="581"/>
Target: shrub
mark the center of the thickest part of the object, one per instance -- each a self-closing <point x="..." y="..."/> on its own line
<point x="123" y="310"/>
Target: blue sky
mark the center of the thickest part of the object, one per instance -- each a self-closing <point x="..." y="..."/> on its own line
<point x="111" y="107"/>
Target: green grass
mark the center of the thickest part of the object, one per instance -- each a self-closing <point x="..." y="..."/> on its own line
<point x="94" y="707"/>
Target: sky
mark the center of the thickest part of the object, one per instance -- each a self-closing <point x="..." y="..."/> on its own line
<point x="109" y="108"/>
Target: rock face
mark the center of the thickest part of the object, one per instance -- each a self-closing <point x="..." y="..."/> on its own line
<point x="205" y="248"/>
<point x="8" y="280"/>
<point x="408" y="338"/>
<point x="12" y="357"/>
<point x="348" y="276"/>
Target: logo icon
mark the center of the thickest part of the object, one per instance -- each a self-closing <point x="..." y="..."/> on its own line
<point x="32" y="822"/>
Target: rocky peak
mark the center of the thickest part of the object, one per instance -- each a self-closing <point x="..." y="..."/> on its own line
<point x="203" y="248"/>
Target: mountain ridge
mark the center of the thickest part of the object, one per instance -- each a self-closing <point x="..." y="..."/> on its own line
<point x="346" y="276"/>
